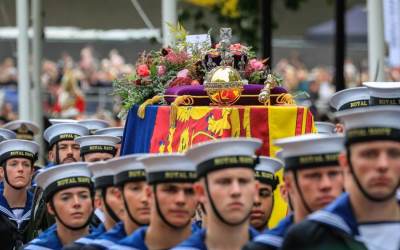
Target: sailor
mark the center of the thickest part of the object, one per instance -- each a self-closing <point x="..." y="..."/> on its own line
<point x="130" y="178"/>
<point x="62" y="147"/>
<point x="95" y="148"/>
<point x="367" y="216"/>
<point x="68" y="192"/>
<point x="227" y="188"/>
<point x="264" y="201"/>
<point x="94" y="124"/>
<point x="172" y="203"/>
<point x="17" y="158"/>
<point x="107" y="200"/>
<point x="114" y="131"/>
<point x="312" y="179"/>
<point x="351" y="98"/>
<point x="25" y="130"/>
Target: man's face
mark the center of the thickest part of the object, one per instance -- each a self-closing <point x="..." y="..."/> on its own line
<point x="262" y="208"/>
<point x="377" y="166"/>
<point x="319" y="187"/>
<point x="19" y="172"/>
<point x="95" y="157"/>
<point x="177" y="202"/>
<point x="73" y="206"/>
<point x="68" y="151"/>
<point x="137" y="201"/>
<point x="233" y="192"/>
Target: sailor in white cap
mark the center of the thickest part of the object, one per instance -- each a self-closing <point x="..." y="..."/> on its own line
<point x="368" y="215"/>
<point x="108" y="201"/>
<point x="351" y="98"/>
<point x="114" y="131"/>
<point x="68" y="192"/>
<point x="130" y="178"/>
<point x="173" y="203"/>
<point x="62" y="147"/>
<point x="264" y="201"/>
<point x="312" y="177"/>
<point x="6" y="134"/>
<point x="17" y="158"/>
<point x="94" y="124"/>
<point x="227" y="188"/>
<point x="25" y="130"/>
<point x="383" y="93"/>
<point x="95" y="148"/>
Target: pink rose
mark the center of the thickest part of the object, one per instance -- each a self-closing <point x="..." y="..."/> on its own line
<point x="183" y="73"/>
<point x="142" y="70"/>
<point x="161" y="70"/>
<point x="256" y="64"/>
<point x="236" y="48"/>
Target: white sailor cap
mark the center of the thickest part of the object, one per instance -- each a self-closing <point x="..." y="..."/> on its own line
<point x="266" y="169"/>
<point x="54" y="121"/>
<point x="127" y="168"/>
<point x="350" y="98"/>
<point x="325" y="127"/>
<point x="6" y="134"/>
<point x="25" y="130"/>
<point x="372" y="123"/>
<point x="162" y="168"/>
<point x="224" y="153"/>
<point x="97" y="144"/>
<point x="18" y="148"/>
<point x="114" y="131"/>
<point x="64" y="131"/>
<point x="102" y="173"/>
<point x="94" y="124"/>
<point x="310" y="150"/>
<point x="63" y="176"/>
<point x="383" y="93"/>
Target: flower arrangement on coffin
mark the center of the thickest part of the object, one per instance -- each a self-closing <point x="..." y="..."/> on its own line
<point x="185" y="64"/>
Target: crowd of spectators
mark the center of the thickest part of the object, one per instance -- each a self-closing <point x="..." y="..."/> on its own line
<point x="67" y="83"/>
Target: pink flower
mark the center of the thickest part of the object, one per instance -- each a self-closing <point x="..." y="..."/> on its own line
<point x="142" y="70"/>
<point x="235" y="47"/>
<point x="256" y="65"/>
<point x="161" y="70"/>
<point x="183" y="73"/>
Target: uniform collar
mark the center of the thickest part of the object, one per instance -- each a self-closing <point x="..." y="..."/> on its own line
<point x="339" y="215"/>
<point x="274" y="237"/>
<point x="46" y="240"/>
<point x="7" y="211"/>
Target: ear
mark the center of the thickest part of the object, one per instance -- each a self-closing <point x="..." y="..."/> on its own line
<point x="343" y="162"/>
<point x="1" y="172"/>
<point x="98" y="202"/>
<point x="200" y="191"/>
<point x="117" y="193"/>
<point x="51" y="155"/>
<point x="288" y="181"/>
<point x="50" y="209"/>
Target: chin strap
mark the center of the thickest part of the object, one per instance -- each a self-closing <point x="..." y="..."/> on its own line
<point x="128" y="211"/>
<point x="68" y="226"/>
<point x="296" y="181"/>
<point x="218" y="214"/>
<point x="162" y="215"/>
<point x="110" y="212"/>
<point x="362" y="189"/>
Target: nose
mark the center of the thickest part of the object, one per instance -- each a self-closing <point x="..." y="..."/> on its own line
<point x="326" y="182"/>
<point x="180" y="197"/>
<point x="70" y="150"/>
<point x="76" y="200"/>
<point x="235" y="188"/>
<point x="257" y="199"/>
<point x="383" y="162"/>
<point x="144" y="198"/>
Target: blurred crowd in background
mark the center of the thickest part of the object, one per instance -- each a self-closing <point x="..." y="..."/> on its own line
<point x="83" y="88"/>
